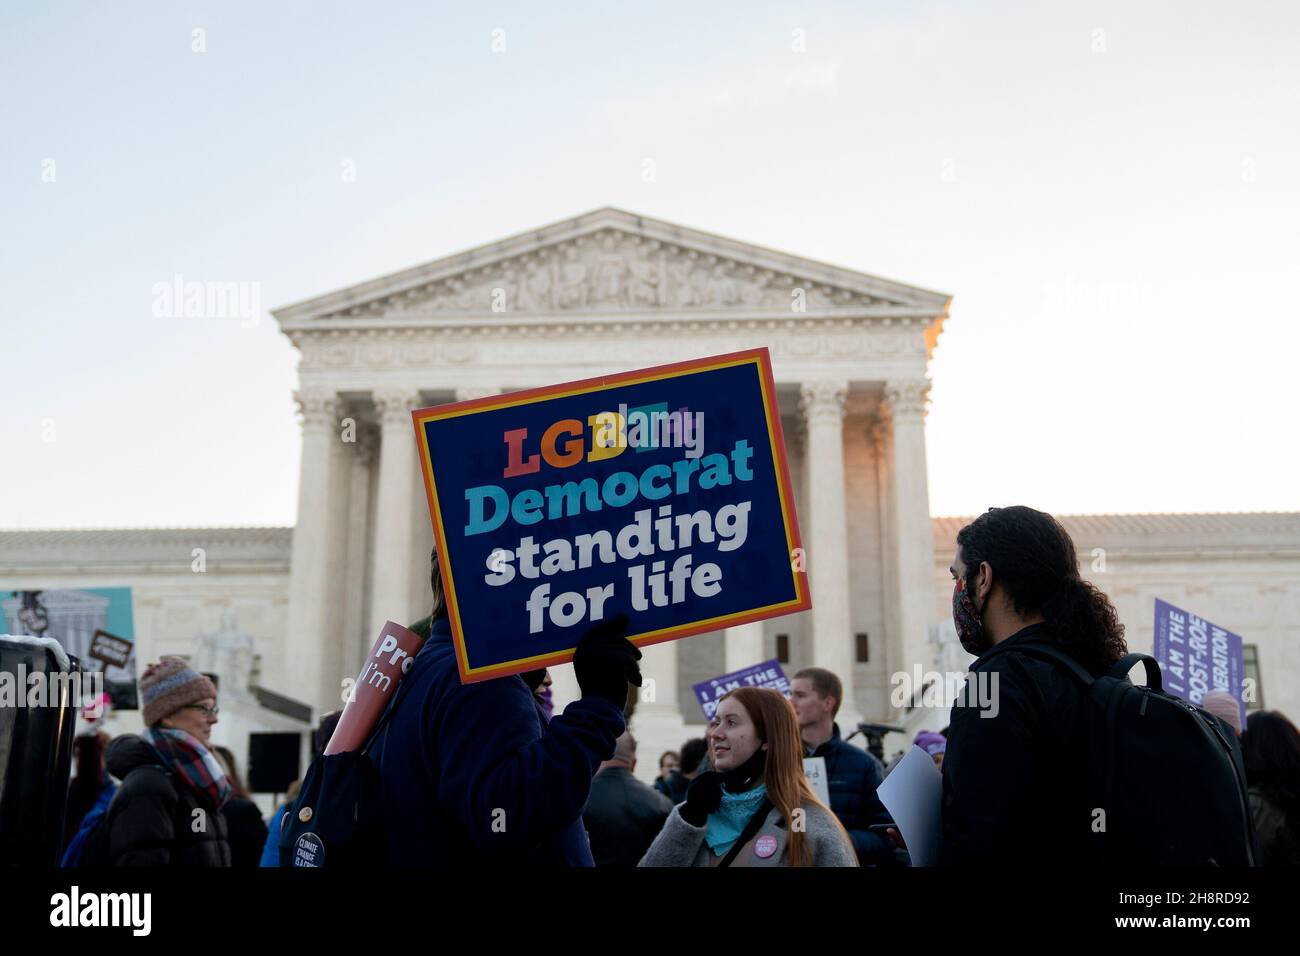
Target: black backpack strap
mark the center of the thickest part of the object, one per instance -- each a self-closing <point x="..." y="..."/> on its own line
<point x="1150" y="664"/>
<point x="1119" y="670"/>
<point x="753" y="826"/>
<point x="1048" y="652"/>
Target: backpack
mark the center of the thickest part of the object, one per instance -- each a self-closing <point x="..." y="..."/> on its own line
<point x="1168" y="774"/>
<point x="337" y="819"/>
<point x="89" y="846"/>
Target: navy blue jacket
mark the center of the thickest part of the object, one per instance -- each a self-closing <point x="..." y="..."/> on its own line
<point x="473" y="776"/>
<point x="852" y="776"/>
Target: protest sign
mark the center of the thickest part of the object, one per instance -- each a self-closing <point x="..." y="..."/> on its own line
<point x="110" y="649"/>
<point x="663" y="494"/>
<point x="766" y="674"/>
<point x="94" y="625"/>
<point x="814" y="769"/>
<point x="1197" y="657"/>
<point x="389" y="659"/>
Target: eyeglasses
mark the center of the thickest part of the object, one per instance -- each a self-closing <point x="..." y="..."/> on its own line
<point x="210" y="711"/>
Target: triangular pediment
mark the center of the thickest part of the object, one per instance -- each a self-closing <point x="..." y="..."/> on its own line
<point x="607" y="262"/>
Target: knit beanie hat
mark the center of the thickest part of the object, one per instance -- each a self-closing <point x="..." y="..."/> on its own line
<point x="169" y="685"/>
<point x="1223" y="705"/>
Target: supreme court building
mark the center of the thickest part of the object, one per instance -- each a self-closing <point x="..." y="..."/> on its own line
<point x="610" y="291"/>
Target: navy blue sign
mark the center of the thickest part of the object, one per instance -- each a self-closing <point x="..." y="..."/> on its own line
<point x="663" y="494"/>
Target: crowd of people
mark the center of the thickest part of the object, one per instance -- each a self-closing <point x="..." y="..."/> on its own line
<point x="483" y="774"/>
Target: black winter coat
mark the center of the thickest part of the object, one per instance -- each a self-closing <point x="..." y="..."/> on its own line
<point x="623" y="817"/>
<point x="152" y="820"/>
<point x="246" y="831"/>
<point x="1015" y="783"/>
<point x="674" y="788"/>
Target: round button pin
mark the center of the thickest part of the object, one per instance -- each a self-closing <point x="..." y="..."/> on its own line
<point x="309" y="852"/>
<point x="304" y="814"/>
<point x="764" y="846"/>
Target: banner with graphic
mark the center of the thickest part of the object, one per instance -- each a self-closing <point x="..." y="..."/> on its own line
<point x="663" y="494"/>
<point x="95" y="625"/>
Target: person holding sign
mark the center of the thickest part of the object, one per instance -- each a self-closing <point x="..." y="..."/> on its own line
<point x="756" y="807"/>
<point x="473" y="775"/>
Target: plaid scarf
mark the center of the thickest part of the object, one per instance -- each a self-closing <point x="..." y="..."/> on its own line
<point x="183" y="755"/>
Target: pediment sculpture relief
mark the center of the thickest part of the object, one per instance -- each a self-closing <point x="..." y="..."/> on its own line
<point x="614" y="271"/>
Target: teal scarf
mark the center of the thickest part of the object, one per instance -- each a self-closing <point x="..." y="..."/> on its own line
<point x="726" y="823"/>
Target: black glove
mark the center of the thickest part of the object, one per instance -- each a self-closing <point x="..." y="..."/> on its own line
<point x="605" y="662"/>
<point x="703" y="796"/>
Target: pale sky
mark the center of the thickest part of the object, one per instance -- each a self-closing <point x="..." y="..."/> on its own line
<point x="1108" y="190"/>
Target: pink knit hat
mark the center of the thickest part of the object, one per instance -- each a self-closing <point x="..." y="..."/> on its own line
<point x="1223" y="705"/>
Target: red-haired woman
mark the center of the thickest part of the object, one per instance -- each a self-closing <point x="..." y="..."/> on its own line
<point x="755" y="807"/>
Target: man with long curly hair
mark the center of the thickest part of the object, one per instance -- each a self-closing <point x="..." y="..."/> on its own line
<point x="1015" y="768"/>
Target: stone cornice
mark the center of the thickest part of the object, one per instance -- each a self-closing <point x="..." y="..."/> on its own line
<point x="1261" y="536"/>
<point x="666" y="321"/>
<point x="1165" y="536"/>
<point x="145" y="550"/>
<point x="897" y="340"/>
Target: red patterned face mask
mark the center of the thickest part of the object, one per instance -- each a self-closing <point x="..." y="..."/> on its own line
<point x="969" y="624"/>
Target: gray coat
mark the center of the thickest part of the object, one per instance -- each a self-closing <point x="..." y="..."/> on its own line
<point x="680" y="844"/>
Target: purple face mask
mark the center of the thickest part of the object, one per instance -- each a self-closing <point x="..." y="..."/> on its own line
<point x="969" y="624"/>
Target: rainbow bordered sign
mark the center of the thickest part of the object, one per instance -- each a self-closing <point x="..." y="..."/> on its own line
<point x="663" y="494"/>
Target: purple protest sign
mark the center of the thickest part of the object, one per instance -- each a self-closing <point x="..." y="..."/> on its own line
<point x="766" y="674"/>
<point x="1197" y="657"/>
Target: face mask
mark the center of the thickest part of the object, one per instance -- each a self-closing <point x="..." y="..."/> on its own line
<point x="970" y="626"/>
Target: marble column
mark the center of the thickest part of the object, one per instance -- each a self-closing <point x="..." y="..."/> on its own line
<point x="743" y="646"/>
<point x="564" y="686"/>
<point x="799" y="627"/>
<point x="356" y="622"/>
<point x="879" y="435"/>
<point x="311" y="640"/>
<point x="658" y="723"/>
<point x="826" y="543"/>
<point x="390" y="589"/>
<point x="913" y="531"/>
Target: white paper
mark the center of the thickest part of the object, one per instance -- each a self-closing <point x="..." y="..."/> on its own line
<point x="814" y="768"/>
<point x="913" y="795"/>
